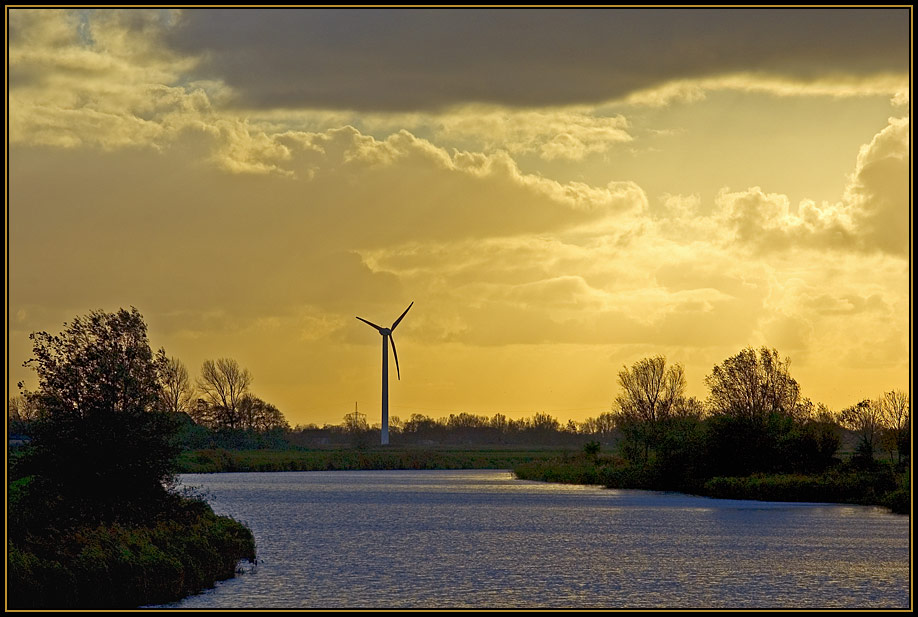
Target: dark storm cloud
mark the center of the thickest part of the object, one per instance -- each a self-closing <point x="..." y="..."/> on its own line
<point x="404" y="59"/>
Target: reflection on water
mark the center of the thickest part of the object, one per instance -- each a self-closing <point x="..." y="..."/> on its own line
<point x="481" y="539"/>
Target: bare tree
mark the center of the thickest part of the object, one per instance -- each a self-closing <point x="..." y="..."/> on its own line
<point x="866" y="420"/>
<point x="499" y="422"/>
<point x="895" y="411"/>
<point x="224" y="383"/>
<point x="203" y="413"/>
<point x="651" y="394"/>
<point x="603" y="424"/>
<point x="22" y="408"/>
<point x="650" y="390"/>
<point x="178" y="391"/>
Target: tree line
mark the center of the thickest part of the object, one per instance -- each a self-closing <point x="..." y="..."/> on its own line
<point x="755" y="412"/>
<point x="754" y="420"/>
<point x="754" y="409"/>
<point x="220" y="399"/>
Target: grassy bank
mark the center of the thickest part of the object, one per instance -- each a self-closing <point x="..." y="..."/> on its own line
<point x="221" y="460"/>
<point x="881" y="486"/>
<point x="119" y="566"/>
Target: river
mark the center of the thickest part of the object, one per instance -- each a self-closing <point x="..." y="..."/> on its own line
<point x="483" y="539"/>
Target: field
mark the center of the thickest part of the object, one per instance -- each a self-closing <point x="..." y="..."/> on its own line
<point x="404" y="457"/>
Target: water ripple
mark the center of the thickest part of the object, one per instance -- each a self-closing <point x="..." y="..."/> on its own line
<point x="481" y="539"/>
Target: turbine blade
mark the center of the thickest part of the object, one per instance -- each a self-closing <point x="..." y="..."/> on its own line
<point x="402" y="315"/>
<point x="370" y="322"/>
<point x="395" y="353"/>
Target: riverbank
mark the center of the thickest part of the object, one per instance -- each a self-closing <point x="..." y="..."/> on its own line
<point x="878" y="487"/>
<point x="497" y="457"/>
<point x="111" y="566"/>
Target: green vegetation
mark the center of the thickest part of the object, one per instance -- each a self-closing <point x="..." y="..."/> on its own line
<point x="846" y="482"/>
<point x="755" y="438"/>
<point x="215" y="460"/>
<point x="93" y="519"/>
<point x="181" y="551"/>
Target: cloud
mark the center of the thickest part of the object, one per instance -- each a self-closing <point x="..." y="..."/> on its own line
<point x="260" y="234"/>
<point x="872" y="216"/>
<point x="435" y="58"/>
<point x="879" y="191"/>
<point x="261" y="242"/>
<point x="893" y="85"/>
<point x="565" y="133"/>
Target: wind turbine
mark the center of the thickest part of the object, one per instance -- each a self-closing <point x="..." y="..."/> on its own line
<point x="386" y="337"/>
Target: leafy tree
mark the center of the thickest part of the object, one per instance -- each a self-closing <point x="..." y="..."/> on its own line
<point x="421" y="426"/>
<point x="759" y="421"/>
<point x="753" y="387"/>
<point x="817" y="439"/>
<point x="591" y="449"/>
<point x="355" y="423"/>
<point x="257" y="415"/>
<point x="102" y="449"/>
<point x="101" y="362"/>
<point x="865" y="418"/>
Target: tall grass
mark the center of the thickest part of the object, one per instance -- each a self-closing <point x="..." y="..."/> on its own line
<point x="880" y="486"/>
<point x="117" y="566"/>
<point x="219" y="460"/>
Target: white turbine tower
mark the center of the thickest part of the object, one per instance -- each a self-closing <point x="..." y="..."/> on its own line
<point x="386" y="337"/>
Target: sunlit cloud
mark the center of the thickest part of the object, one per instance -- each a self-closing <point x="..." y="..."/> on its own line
<point x="143" y="171"/>
<point x="873" y="215"/>
<point x="895" y="86"/>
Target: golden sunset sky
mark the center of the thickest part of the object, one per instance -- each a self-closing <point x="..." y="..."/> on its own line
<point x="560" y="192"/>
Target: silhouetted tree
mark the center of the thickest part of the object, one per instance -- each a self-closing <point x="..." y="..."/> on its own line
<point x="257" y="415"/>
<point x="544" y="425"/>
<point x="758" y="420"/>
<point x="650" y="394"/>
<point x="101" y="362"/>
<point x="865" y="419"/>
<point x="499" y="422"/>
<point x="895" y="417"/>
<point x="591" y="449"/>
<point x="224" y="383"/>
<point x="603" y="424"/>
<point x="21" y="411"/>
<point x="752" y="387"/>
<point x="102" y="448"/>
<point x="355" y="422"/>
<point x="178" y="392"/>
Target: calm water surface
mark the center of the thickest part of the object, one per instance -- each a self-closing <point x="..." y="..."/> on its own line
<point x="482" y="539"/>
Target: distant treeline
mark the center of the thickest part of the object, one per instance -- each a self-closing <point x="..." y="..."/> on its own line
<point x="459" y="429"/>
<point x="378" y="457"/>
